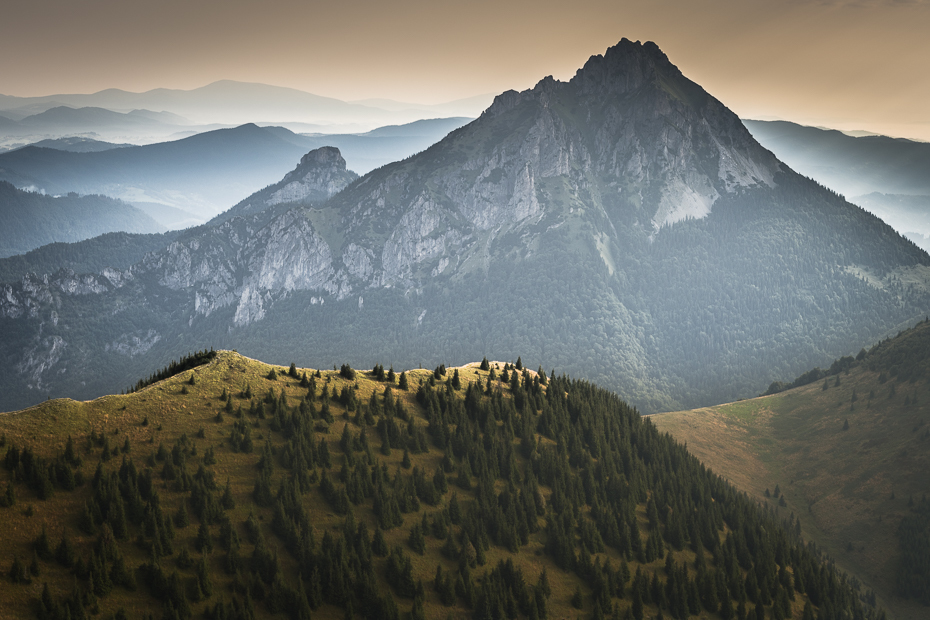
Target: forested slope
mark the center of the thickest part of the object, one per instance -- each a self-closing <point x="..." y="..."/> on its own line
<point x="240" y="490"/>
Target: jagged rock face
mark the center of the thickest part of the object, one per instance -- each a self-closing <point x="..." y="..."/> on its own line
<point x="628" y="136"/>
<point x="320" y="175"/>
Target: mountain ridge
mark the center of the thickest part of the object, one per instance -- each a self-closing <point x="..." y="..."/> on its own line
<point x="629" y="190"/>
<point x="231" y="101"/>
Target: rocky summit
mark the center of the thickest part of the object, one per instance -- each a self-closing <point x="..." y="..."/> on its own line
<point x="623" y="225"/>
<point x="319" y="176"/>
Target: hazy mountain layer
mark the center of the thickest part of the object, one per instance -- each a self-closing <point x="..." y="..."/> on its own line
<point x="78" y="145"/>
<point x="908" y="214"/>
<point x="232" y="102"/>
<point x="115" y="250"/>
<point x="31" y="220"/>
<point x="206" y="173"/>
<point x="623" y="225"/>
<point x="889" y="177"/>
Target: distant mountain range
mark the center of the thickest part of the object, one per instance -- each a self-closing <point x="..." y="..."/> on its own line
<point x="231" y="102"/>
<point x="889" y="177"/>
<point x="31" y="220"/>
<point x="204" y="174"/>
<point x="623" y="225"/>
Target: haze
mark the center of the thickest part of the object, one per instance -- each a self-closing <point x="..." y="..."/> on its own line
<point x="849" y="65"/>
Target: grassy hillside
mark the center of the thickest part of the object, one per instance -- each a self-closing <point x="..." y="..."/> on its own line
<point x="235" y="489"/>
<point x="848" y="453"/>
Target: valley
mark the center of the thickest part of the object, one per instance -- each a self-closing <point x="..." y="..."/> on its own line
<point x="847" y="454"/>
<point x="235" y="489"/>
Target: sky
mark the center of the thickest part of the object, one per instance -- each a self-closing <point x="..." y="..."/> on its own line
<point x="852" y="65"/>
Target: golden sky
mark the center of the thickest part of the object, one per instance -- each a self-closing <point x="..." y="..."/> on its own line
<point x="845" y="64"/>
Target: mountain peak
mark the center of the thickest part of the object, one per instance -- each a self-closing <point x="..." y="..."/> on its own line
<point x="320" y="175"/>
<point x="626" y="67"/>
<point x="324" y="156"/>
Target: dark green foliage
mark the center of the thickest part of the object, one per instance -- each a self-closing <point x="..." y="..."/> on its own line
<point x="417" y="539"/>
<point x="185" y="560"/>
<point x="191" y="360"/>
<point x="577" y="600"/>
<point x="913" y="576"/>
<point x="18" y="572"/>
<point x="64" y="552"/>
<point x="42" y="546"/>
<point x="399" y="573"/>
<point x="8" y="499"/>
<point x="347" y="372"/>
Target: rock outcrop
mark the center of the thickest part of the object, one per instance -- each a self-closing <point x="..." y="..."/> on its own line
<point x="320" y="175"/>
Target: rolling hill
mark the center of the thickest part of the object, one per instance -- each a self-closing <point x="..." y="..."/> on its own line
<point x="847" y="451"/>
<point x="228" y="488"/>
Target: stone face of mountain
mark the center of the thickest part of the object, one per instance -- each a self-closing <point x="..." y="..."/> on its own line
<point x="623" y="225"/>
<point x="319" y="176"/>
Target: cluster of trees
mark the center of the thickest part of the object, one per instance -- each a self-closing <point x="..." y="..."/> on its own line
<point x="189" y="361"/>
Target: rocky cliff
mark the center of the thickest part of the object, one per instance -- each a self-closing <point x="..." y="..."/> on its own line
<point x="320" y="175"/>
